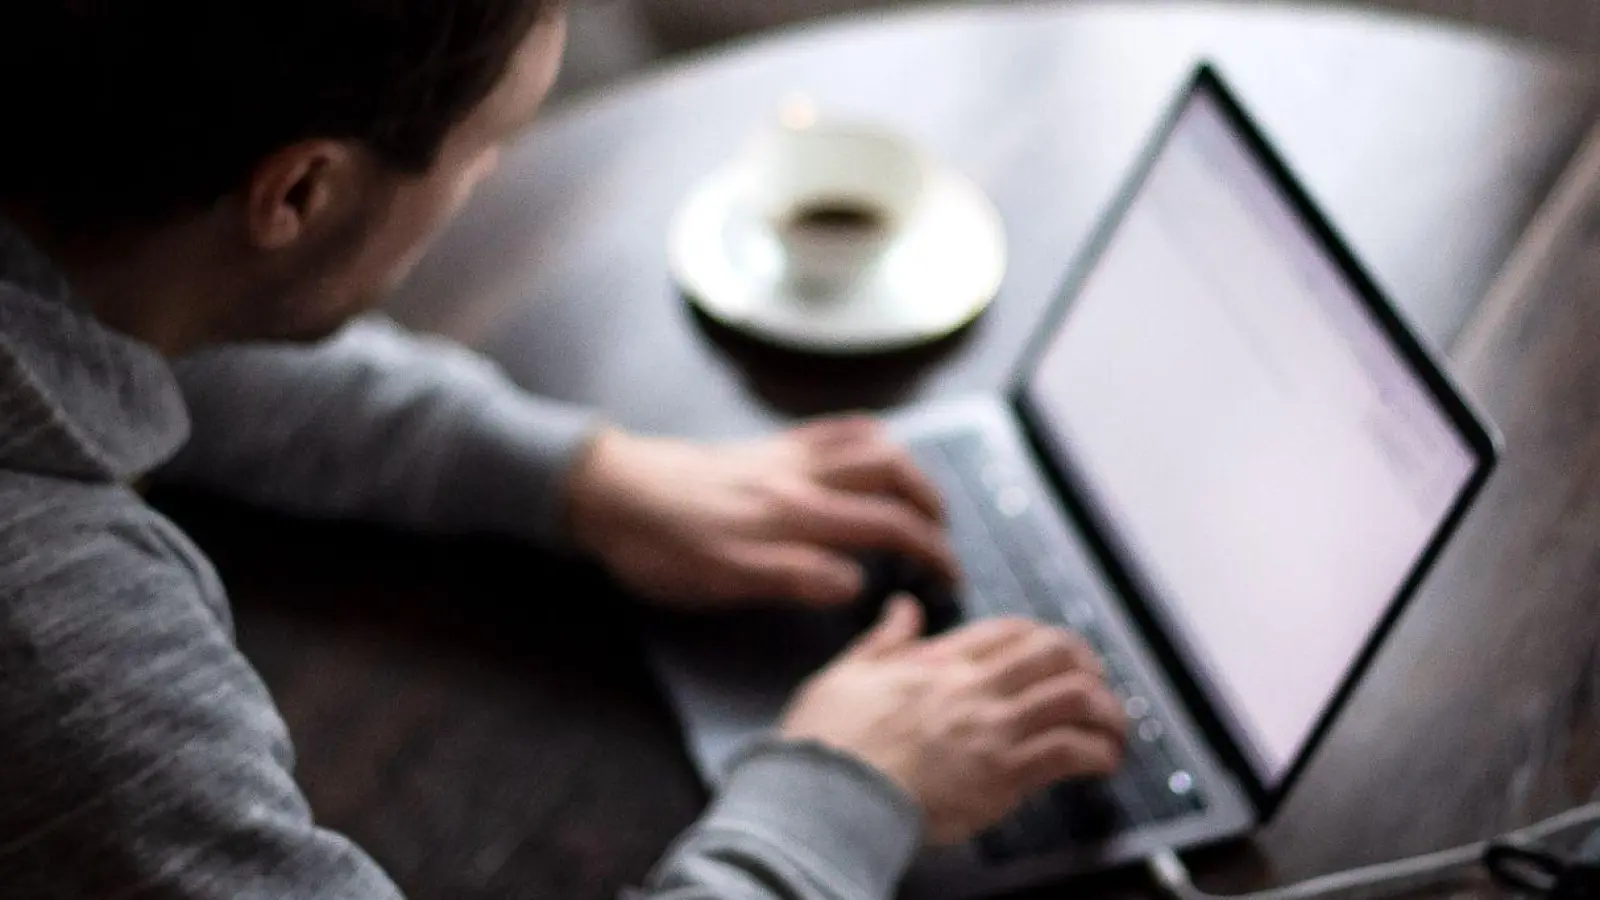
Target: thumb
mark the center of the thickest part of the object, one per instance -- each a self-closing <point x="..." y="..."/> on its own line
<point x="901" y="624"/>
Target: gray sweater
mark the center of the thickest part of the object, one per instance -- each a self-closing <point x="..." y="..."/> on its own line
<point x="140" y="755"/>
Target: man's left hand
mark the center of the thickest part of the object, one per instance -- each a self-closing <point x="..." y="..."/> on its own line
<point x="782" y="518"/>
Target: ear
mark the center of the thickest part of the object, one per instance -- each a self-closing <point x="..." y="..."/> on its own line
<point x="298" y="188"/>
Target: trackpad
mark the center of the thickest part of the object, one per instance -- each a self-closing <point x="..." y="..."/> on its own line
<point x="730" y="675"/>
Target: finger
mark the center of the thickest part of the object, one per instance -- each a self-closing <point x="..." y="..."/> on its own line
<point x="840" y="519"/>
<point x="1063" y="753"/>
<point x="1045" y="653"/>
<point x="800" y="572"/>
<point x="834" y="431"/>
<point x="1079" y="700"/>
<point x="982" y="639"/>
<point x="881" y="467"/>
<point x="899" y="626"/>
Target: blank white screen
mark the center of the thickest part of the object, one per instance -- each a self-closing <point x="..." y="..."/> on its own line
<point x="1250" y="435"/>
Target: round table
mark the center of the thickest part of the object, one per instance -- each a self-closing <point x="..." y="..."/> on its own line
<point x="1429" y="147"/>
<point x="485" y="748"/>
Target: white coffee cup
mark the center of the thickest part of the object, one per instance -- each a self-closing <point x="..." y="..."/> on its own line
<point x="835" y="194"/>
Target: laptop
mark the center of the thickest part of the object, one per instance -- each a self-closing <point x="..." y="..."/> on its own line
<point x="1226" y="462"/>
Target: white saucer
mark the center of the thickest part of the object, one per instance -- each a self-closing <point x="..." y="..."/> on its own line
<point x="941" y="271"/>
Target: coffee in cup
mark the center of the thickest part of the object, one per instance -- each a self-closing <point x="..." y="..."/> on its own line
<point x="835" y="195"/>
<point x="842" y="218"/>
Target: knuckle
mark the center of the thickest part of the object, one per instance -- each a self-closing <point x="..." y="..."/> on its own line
<point x="872" y="450"/>
<point x="846" y="435"/>
<point x="1013" y="627"/>
<point x="1101" y="757"/>
<point x="1056" y="638"/>
<point x="1039" y="770"/>
<point x="992" y="719"/>
<point x="864" y="520"/>
<point x="1043" y="654"/>
<point x="990" y="630"/>
<point x="791" y="581"/>
<point x="1058" y="651"/>
<point x="1076" y="643"/>
<point x="898" y="522"/>
<point x="1096" y="755"/>
<point x="866" y="428"/>
<point x="1076" y="698"/>
<point x="1107" y="712"/>
<point x="1074" y="759"/>
<point x="899" y="459"/>
<point x="785" y="495"/>
<point x="970" y="679"/>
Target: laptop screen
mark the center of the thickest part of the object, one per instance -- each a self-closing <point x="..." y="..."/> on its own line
<point x="1257" y="449"/>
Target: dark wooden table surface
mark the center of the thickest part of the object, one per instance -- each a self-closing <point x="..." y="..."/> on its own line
<point x="478" y="716"/>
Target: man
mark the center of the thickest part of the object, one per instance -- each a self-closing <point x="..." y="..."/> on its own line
<point x="180" y="175"/>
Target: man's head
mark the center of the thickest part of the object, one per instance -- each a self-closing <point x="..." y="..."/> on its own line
<point x="301" y="152"/>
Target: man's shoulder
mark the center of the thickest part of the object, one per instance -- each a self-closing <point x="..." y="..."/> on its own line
<point x="99" y="593"/>
<point x="134" y="729"/>
<point x="70" y="547"/>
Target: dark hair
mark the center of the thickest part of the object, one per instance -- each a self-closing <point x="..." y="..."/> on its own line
<point x="116" y="112"/>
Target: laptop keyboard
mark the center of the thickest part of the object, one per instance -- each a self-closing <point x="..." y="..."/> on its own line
<point x="1010" y="570"/>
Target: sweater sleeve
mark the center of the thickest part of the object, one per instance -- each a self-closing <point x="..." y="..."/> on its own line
<point x="794" y="822"/>
<point x="382" y="425"/>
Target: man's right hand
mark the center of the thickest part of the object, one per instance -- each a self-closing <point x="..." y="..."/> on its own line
<point x="969" y="723"/>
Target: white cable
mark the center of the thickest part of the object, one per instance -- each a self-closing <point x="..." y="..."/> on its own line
<point x="1427" y="870"/>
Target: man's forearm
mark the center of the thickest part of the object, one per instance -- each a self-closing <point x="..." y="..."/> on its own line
<point x="381" y="425"/>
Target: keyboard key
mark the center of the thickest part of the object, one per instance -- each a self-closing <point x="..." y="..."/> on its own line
<point x="1180" y="783"/>
<point x="1012" y="502"/>
<point x="1150" y="731"/>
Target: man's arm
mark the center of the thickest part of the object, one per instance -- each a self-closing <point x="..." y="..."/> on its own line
<point x="143" y="756"/>
<point x="387" y="426"/>
<point x="383" y="425"/>
<point x="796" y="821"/>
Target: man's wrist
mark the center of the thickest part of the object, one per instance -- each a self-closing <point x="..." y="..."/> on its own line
<point x="825" y="808"/>
<point x="591" y="491"/>
<point x="510" y="457"/>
